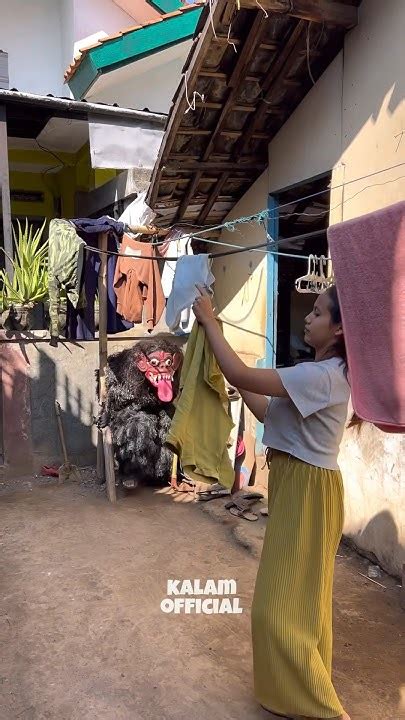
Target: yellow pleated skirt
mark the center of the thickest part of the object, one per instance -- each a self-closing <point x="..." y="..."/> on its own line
<point x="292" y="604"/>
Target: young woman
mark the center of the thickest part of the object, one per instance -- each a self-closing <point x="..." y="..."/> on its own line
<point x="304" y="422"/>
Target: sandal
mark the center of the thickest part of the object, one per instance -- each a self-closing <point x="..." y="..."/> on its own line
<point x="241" y="507"/>
<point x="245" y="514"/>
<point x="216" y="491"/>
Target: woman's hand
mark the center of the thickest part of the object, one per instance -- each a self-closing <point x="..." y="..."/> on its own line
<point x="202" y="307"/>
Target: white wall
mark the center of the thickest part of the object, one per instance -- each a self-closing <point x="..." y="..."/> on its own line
<point x="31" y="34"/>
<point x="92" y="16"/>
<point x="148" y="83"/>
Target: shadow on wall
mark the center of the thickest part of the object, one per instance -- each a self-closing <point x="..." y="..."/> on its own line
<point x="78" y="411"/>
<point x="31" y="383"/>
<point x="381" y="535"/>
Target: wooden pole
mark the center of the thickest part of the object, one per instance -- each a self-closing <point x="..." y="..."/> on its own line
<point x="5" y="193"/>
<point x="105" y="438"/>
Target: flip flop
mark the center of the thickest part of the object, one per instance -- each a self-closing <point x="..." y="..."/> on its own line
<point x="207" y="495"/>
<point x="241" y="503"/>
<point x="251" y="495"/>
<point x="264" y="512"/>
<point x="245" y="514"/>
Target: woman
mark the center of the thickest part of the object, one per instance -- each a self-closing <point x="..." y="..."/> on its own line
<point x="304" y="422"/>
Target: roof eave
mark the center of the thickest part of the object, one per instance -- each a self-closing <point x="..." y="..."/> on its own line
<point x="132" y="46"/>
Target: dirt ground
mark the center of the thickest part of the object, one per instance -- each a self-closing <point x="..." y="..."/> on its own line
<point x="83" y="636"/>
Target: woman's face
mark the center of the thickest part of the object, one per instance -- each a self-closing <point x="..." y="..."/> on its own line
<point x="320" y="331"/>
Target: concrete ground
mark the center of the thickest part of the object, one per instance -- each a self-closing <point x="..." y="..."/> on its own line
<point x="83" y="636"/>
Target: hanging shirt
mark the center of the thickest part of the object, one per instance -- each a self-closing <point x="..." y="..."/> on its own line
<point x="201" y="425"/>
<point x="176" y="249"/>
<point x="137" y="283"/>
<point x="191" y="270"/>
<point x="309" y="424"/>
<point x="65" y="266"/>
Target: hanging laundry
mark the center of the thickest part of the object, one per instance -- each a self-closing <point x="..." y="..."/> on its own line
<point x="137" y="283"/>
<point x="201" y="425"/>
<point x="368" y="256"/>
<point x="191" y="270"/>
<point x="176" y="247"/>
<point x="65" y="266"/>
<point x="99" y="225"/>
<point x="80" y="321"/>
<point x="138" y="212"/>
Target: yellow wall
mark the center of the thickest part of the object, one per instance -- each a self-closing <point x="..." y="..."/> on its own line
<point x="240" y="280"/>
<point x="350" y="123"/>
<point x="76" y="175"/>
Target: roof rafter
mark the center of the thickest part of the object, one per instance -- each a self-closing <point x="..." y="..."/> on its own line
<point x="327" y="11"/>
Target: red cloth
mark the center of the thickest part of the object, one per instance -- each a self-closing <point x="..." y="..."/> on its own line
<point x="137" y="283"/>
<point x="368" y="256"/>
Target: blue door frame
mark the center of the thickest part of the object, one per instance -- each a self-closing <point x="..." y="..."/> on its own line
<point x="269" y="361"/>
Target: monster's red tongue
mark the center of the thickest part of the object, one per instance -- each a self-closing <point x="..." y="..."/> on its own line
<point x="165" y="390"/>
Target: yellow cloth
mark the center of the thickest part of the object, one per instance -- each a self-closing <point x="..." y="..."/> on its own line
<point x="201" y="425"/>
<point x="292" y="604"/>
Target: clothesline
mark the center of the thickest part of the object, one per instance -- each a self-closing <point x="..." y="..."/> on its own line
<point x="263" y="247"/>
<point x="267" y="213"/>
<point x="264" y="215"/>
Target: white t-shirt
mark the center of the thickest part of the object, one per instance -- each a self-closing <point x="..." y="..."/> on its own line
<point x="309" y="424"/>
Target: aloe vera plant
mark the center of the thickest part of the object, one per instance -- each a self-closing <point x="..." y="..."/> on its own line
<point x="29" y="284"/>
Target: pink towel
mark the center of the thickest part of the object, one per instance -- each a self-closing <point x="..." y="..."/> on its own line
<point x="368" y="256"/>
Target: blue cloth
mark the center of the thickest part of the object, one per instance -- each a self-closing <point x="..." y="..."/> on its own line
<point x="89" y="226"/>
<point x="81" y="322"/>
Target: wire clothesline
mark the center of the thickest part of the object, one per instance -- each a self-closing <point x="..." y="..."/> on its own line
<point x="260" y="218"/>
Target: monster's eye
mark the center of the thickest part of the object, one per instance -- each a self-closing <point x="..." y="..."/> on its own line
<point x="154" y="362"/>
<point x="169" y="362"/>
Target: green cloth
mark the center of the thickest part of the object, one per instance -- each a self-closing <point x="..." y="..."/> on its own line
<point x="201" y="425"/>
<point x="65" y="266"/>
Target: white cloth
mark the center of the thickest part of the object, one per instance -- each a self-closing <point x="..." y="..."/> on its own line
<point x="138" y="212"/>
<point x="177" y="248"/>
<point x="191" y="270"/>
<point x="309" y="424"/>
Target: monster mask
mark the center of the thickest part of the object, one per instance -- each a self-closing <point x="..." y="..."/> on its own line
<point x="159" y="368"/>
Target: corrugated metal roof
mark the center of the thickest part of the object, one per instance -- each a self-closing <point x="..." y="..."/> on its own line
<point x="80" y="107"/>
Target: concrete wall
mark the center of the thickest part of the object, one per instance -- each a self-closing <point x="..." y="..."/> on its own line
<point x="350" y="123"/>
<point x="148" y="83"/>
<point x="31" y="34"/>
<point x="92" y="16"/>
<point x="33" y="376"/>
<point x="240" y="287"/>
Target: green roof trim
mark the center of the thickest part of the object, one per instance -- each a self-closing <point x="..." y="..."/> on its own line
<point x="135" y="45"/>
<point x="166" y="6"/>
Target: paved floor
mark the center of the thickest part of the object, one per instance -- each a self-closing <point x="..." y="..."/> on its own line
<point x="83" y="636"/>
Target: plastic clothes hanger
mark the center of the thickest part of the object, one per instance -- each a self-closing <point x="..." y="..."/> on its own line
<point x="308" y="283"/>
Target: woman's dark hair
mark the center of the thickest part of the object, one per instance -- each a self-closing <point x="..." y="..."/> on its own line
<point x="340" y="345"/>
<point x="334" y="309"/>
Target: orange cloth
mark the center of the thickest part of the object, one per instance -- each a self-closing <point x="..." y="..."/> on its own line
<point x="137" y="283"/>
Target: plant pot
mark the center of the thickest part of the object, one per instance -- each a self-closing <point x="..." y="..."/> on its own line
<point x="26" y="317"/>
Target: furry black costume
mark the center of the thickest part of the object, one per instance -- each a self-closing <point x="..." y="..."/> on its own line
<point x="142" y="383"/>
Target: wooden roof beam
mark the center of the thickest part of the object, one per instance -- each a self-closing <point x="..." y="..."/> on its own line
<point x="239" y="71"/>
<point x="213" y="196"/>
<point x="321" y="11"/>
<point x="278" y="70"/>
<point x="190" y="192"/>
<point x="195" y="165"/>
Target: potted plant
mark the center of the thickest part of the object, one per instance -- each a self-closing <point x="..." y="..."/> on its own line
<point x="23" y="295"/>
